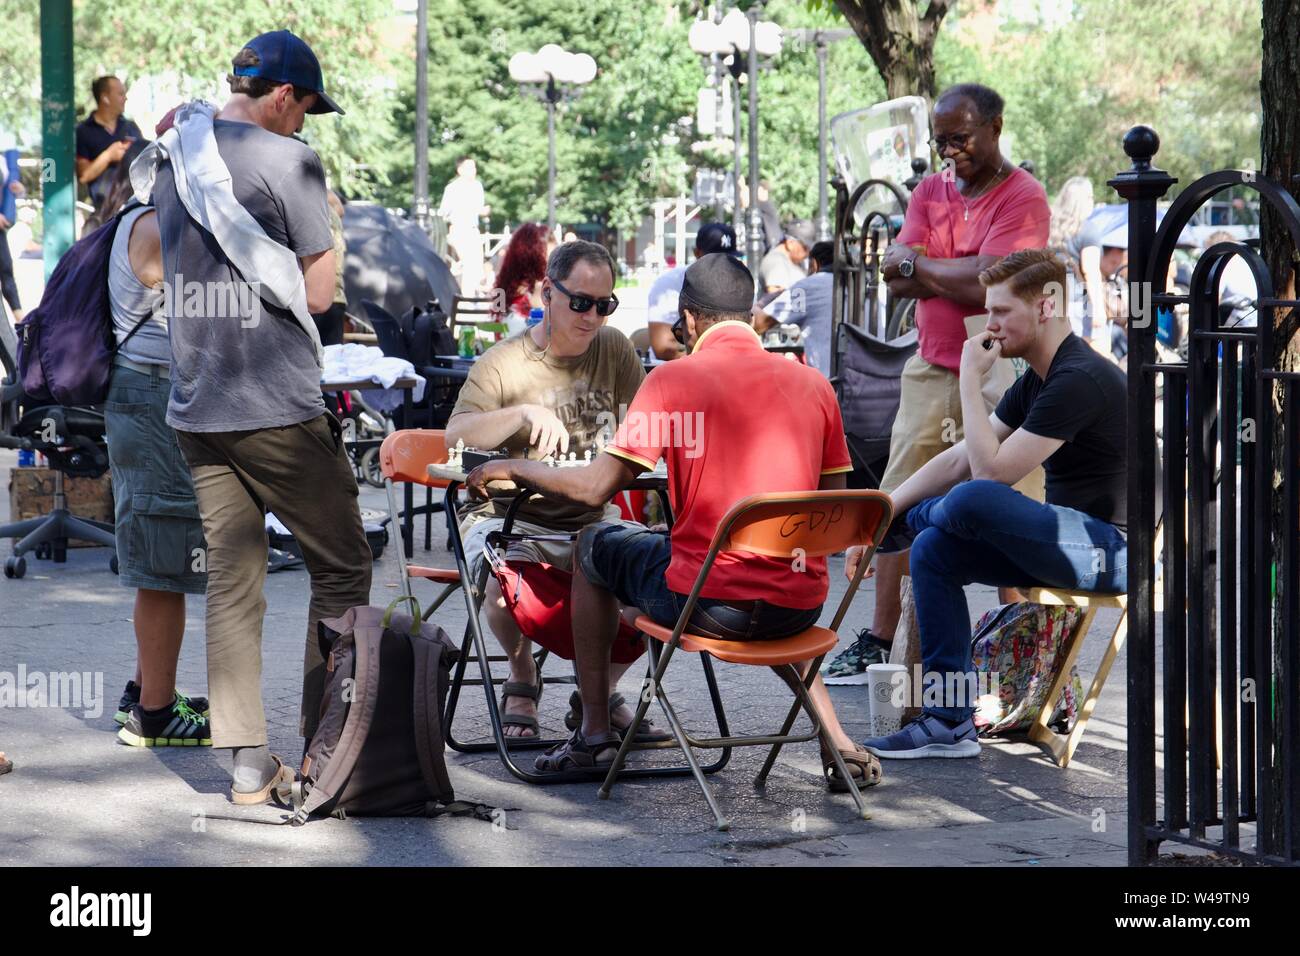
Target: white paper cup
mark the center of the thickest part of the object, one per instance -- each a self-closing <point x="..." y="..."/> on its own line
<point x="887" y="696"/>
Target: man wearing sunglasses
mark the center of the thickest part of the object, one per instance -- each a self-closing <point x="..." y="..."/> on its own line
<point x="549" y="390"/>
<point x="977" y="208"/>
<point x="743" y="447"/>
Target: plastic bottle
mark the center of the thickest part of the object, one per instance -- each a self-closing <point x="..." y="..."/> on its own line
<point x="534" y="316"/>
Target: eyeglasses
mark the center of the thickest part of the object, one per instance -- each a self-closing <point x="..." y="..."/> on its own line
<point x="679" y="328"/>
<point x="958" y="141"/>
<point x="581" y="303"/>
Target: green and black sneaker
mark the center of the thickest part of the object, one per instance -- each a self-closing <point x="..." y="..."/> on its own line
<point x="174" y="726"/>
<point x="850" y="665"/>
<point x="131" y="697"/>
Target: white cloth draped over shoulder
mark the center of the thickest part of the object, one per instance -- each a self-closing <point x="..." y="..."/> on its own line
<point x="204" y="185"/>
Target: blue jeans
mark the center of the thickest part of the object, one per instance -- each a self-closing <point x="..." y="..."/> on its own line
<point x="631" y="561"/>
<point x="985" y="532"/>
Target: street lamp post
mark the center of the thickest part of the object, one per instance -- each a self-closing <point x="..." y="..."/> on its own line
<point x="821" y="40"/>
<point x="552" y="75"/>
<point x="421" y="203"/>
<point x="743" y="38"/>
<point x="552" y="100"/>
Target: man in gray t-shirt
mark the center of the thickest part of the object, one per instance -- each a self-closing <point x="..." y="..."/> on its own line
<point x="807" y="304"/>
<point x="245" y="397"/>
<point x="243" y="368"/>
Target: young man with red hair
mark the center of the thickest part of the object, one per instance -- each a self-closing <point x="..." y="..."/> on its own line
<point x="1066" y="413"/>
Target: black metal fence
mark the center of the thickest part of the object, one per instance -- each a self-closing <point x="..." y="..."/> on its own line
<point x="1222" y="455"/>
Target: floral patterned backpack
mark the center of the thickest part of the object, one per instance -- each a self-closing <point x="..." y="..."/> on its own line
<point x="1020" y="644"/>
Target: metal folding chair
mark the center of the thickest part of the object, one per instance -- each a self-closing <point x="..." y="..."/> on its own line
<point x="792" y="526"/>
<point x="405" y="457"/>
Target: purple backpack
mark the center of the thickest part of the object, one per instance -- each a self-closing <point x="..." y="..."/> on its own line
<point x="66" y="344"/>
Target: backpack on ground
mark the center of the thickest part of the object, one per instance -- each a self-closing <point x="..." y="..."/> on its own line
<point x="66" y="344"/>
<point x="378" y="750"/>
<point x="1021" y="644"/>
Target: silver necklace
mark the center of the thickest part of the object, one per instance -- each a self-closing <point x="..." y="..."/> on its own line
<point x="991" y="183"/>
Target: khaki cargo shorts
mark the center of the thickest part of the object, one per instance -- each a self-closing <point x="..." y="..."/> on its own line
<point x="929" y="421"/>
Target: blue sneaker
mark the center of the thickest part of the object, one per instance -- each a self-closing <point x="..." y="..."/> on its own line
<point x="927" y="736"/>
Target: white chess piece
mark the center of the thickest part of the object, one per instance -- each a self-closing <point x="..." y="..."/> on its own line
<point x="587" y="457"/>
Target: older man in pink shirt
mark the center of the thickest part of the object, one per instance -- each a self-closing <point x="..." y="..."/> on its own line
<point x="978" y="208"/>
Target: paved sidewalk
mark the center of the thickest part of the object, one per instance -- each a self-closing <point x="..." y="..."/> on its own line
<point x="77" y="797"/>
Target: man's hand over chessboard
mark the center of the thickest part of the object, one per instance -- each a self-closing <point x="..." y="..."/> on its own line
<point x="499" y="469"/>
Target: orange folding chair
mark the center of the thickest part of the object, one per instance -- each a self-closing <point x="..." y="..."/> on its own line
<point x="793" y="526"/>
<point x="405" y="457"/>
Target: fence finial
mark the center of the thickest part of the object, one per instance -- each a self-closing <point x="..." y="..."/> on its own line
<point x="1140" y="144"/>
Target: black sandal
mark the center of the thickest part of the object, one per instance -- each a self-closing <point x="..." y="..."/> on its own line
<point x="646" y="734"/>
<point x="863" y="767"/>
<point x="581" y="753"/>
<point x="532" y="692"/>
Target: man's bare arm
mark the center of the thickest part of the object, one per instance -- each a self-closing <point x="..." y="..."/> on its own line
<point x="491" y="429"/>
<point x="909" y="288"/>
<point x="956" y="279"/>
<point x="833" y="482"/>
<point x="318" y="274"/>
<point x="666" y="347"/>
<point x="935" y="477"/>
<point x="590" y="486"/>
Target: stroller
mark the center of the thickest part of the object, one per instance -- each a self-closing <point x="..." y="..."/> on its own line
<point x="868" y="385"/>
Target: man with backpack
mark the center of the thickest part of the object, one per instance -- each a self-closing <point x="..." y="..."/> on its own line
<point x="1068" y="413"/>
<point x="247" y="257"/>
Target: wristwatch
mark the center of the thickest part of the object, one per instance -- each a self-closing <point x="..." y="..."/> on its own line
<point x="907" y="266"/>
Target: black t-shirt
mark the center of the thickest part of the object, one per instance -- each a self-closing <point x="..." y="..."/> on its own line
<point x="93" y="139"/>
<point x="1083" y="402"/>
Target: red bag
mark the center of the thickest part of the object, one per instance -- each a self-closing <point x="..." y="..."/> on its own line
<point x="537" y="595"/>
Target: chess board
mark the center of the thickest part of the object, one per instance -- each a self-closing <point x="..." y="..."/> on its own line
<point x="464" y="458"/>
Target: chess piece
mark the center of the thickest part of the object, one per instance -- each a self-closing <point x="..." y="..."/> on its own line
<point x="587" y="457"/>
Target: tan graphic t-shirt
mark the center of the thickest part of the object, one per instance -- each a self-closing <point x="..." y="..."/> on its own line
<point x="588" y="393"/>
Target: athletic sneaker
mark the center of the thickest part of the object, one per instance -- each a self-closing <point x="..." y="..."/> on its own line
<point x="850" y="665"/>
<point x="131" y="697"/>
<point x="927" y="736"/>
<point x="177" y="726"/>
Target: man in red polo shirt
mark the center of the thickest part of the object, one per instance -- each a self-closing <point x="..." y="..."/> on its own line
<point x="978" y="208"/>
<point x="720" y="446"/>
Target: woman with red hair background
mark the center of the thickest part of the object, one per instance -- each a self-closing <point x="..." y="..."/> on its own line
<point x="523" y="266"/>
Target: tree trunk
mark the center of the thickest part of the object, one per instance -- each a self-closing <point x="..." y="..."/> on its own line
<point x="900" y="40"/>
<point x="1280" y="153"/>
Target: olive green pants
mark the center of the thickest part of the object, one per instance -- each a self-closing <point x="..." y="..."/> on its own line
<point x="301" y="473"/>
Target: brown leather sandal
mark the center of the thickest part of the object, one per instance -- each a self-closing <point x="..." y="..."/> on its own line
<point x="534" y="693"/>
<point x="595" y="753"/>
<point x="863" y="767"/>
<point x="647" y="734"/>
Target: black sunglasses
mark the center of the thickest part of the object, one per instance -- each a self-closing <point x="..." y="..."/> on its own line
<point x="581" y="303"/>
<point x="679" y="329"/>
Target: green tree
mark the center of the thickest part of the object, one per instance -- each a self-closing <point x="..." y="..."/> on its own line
<point x="900" y="36"/>
<point x="1074" y="87"/>
<point x="196" y="43"/>
<point x="619" y="143"/>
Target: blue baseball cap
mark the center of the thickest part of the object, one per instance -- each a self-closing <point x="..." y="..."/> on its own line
<point x="285" y="58"/>
<point x="716" y="237"/>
